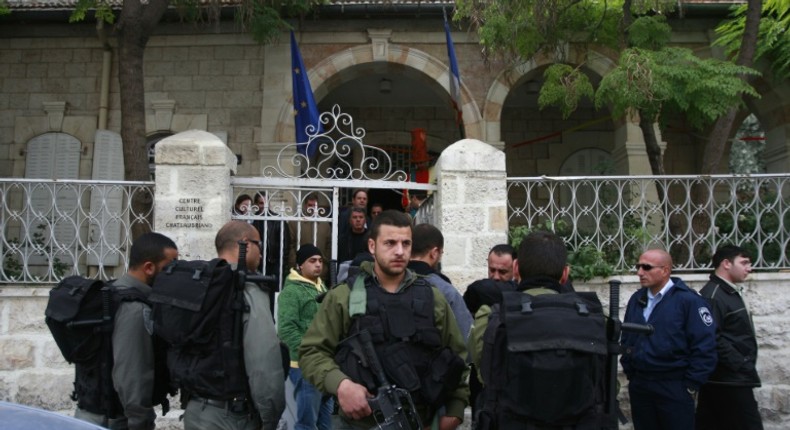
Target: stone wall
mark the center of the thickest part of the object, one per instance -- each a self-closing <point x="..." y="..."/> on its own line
<point x="212" y="83"/>
<point x="32" y="372"/>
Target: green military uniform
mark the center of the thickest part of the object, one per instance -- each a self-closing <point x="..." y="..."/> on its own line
<point x="331" y="325"/>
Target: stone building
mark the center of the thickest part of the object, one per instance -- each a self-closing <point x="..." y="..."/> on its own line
<point x="384" y="63"/>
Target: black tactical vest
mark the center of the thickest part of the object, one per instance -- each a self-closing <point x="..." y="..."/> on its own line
<point x="407" y="342"/>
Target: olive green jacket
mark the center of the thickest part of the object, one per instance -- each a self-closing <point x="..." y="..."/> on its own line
<point x="331" y="325"/>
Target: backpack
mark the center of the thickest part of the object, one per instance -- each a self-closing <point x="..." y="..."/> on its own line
<point x="80" y="314"/>
<point x="197" y="310"/>
<point x="544" y="362"/>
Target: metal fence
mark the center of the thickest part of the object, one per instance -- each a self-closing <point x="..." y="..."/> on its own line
<point x="50" y="229"/>
<point x="690" y="216"/>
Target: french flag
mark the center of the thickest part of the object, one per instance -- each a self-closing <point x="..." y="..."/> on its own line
<point x="455" y="77"/>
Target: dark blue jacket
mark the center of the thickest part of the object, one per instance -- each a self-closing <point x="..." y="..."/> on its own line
<point x="683" y="345"/>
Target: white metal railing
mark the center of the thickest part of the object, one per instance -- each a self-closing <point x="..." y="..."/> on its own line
<point x="690" y="216"/>
<point x="50" y="229"/>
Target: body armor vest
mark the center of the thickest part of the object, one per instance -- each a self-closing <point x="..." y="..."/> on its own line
<point x="407" y="343"/>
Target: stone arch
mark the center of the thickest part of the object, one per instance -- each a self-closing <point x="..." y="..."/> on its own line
<point x="321" y="79"/>
<point x="773" y="111"/>
<point x="509" y="78"/>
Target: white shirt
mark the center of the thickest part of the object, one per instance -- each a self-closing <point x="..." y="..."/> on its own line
<point x="652" y="300"/>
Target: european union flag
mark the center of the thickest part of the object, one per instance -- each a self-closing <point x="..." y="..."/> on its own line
<point x="305" y="109"/>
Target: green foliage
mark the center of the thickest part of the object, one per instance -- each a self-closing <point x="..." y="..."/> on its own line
<point x="773" y="38"/>
<point x="650" y="78"/>
<point x="265" y="20"/>
<point x="673" y="80"/>
<point x="762" y="220"/>
<point x="102" y="9"/>
<point x="586" y="262"/>
<point x="564" y="86"/>
<point x="524" y="28"/>
<point x="649" y="32"/>
<point x="13" y="269"/>
<point x="4" y="10"/>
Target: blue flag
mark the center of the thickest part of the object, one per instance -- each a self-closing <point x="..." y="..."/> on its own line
<point x="305" y="109"/>
<point x="455" y="77"/>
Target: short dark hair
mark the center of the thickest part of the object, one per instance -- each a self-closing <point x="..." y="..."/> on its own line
<point x="389" y="217"/>
<point x="230" y="234"/>
<point x="542" y="254"/>
<point x="241" y="198"/>
<point x="357" y="191"/>
<point x="728" y="252"/>
<point x="357" y="209"/>
<point x="503" y="249"/>
<point x="425" y="237"/>
<point x="149" y="247"/>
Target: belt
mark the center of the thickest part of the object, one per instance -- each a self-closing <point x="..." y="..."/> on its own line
<point x="239" y="405"/>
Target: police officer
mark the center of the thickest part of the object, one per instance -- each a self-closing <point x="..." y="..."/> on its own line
<point x="666" y="369"/>
<point x="135" y="375"/>
<point x="413" y="330"/>
<point x="262" y="359"/>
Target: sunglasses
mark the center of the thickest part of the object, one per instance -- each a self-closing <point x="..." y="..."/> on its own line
<point x="645" y="267"/>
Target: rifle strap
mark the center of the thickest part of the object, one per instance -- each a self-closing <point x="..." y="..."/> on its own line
<point x="358" y="298"/>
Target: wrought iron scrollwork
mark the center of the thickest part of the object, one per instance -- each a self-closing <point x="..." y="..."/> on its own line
<point x="340" y="154"/>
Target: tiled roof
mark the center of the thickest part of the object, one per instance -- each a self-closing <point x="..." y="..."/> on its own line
<point x="70" y="4"/>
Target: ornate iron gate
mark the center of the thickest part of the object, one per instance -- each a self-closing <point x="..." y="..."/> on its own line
<point x="303" y="194"/>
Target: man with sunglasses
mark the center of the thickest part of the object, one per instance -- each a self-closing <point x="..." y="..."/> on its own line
<point x="666" y="369"/>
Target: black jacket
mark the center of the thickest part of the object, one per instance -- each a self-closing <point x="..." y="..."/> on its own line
<point x="736" y="344"/>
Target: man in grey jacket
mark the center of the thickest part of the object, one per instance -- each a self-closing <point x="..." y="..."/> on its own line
<point x="426" y="253"/>
<point x="262" y="359"/>
<point x="132" y="343"/>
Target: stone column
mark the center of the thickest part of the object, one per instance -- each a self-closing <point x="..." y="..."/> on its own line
<point x="777" y="149"/>
<point x="193" y="197"/>
<point x="630" y="154"/>
<point x="471" y="209"/>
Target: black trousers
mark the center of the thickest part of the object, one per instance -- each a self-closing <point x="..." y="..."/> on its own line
<point x="660" y="405"/>
<point x="725" y="407"/>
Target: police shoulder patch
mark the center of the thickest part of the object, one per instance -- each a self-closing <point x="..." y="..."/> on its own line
<point x="705" y="315"/>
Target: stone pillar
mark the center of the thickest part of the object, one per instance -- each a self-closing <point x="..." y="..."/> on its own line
<point x="777" y="149"/>
<point x="629" y="154"/>
<point x="193" y="197"/>
<point x="471" y="210"/>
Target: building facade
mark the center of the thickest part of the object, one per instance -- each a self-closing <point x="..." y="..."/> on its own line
<point x="384" y="64"/>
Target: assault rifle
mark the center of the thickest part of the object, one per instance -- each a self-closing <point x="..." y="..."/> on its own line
<point x="614" y="328"/>
<point x="392" y="407"/>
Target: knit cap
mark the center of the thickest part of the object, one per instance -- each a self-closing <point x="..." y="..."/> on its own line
<point x="306" y="251"/>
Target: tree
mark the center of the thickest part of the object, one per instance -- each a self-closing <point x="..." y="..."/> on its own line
<point x="135" y="24"/>
<point x="740" y="36"/>
<point x="651" y="80"/>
